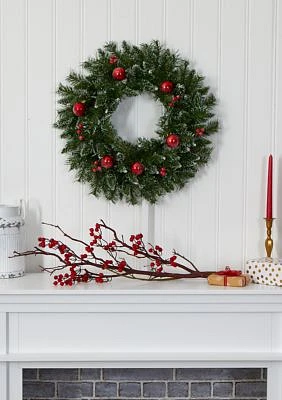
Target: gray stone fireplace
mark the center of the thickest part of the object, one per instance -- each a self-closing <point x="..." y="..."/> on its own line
<point x="145" y="383"/>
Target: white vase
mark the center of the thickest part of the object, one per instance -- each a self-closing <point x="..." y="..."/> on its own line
<point x="11" y="239"/>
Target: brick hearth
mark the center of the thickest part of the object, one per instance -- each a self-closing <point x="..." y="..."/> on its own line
<point x="146" y="383"/>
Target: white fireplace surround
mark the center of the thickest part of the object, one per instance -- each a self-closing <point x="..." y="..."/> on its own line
<point x="137" y="324"/>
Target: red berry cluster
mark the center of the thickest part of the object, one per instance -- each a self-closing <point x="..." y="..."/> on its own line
<point x="96" y="229"/>
<point x="156" y="250"/>
<point x="121" y="266"/>
<point x="79" y="131"/>
<point x="100" y="278"/>
<point x="67" y="257"/>
<point x="107" y="264"/>
<point x="62" y="248"/>
<point x="156" y="265"/>
<point x="89" y="249"/>
<point x="93" y="232"/>
<point x="200" y="131"/>
<point x="70" y="279"/>
<point x="96" y="166"/>
<point x="172" y="261"/>
<point x="162" y="171"/>
<point x="113" y="59"/>
<point x="174" y="100"/>
<point x="111" y="246"/>
<point x="42" y="242"/>
<point x="137" y="237"/>
<point x="52" y="243"/>
<point x="137" y="243"/>
<point x="62" y="280"/>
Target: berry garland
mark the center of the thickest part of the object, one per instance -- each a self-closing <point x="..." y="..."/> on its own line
<point x="115" y="258"/>
<point x="149" y="168"/>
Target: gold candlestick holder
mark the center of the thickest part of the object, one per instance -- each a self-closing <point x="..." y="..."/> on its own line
<point x="268" y="241"/>
<point x="266" y="270"/>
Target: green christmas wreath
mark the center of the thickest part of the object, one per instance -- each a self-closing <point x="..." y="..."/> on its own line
<point x="149" y="168"/>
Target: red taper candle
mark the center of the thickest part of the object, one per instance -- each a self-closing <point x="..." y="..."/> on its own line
<point x="269" y="188"/>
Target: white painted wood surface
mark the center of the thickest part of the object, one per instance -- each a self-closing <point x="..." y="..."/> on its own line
<point x="218" y="218"/>
<point x="125" y="324"/>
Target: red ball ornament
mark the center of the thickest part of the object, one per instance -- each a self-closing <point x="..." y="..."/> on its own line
<point x="113" y="59"/>
<point x="137" y="168"/>
<point x="172" y="140"/>
<point x="107" y="162"/>
<point x="163" y="171"/>
<point x="79" y="109"/>
<point x="166" y="87"/>
<point x="119" y="74"/>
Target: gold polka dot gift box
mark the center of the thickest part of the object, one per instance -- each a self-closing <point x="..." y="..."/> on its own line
<point x="267" y="271"/>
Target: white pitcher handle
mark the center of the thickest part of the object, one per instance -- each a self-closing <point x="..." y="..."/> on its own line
<point x="22" y="208"/>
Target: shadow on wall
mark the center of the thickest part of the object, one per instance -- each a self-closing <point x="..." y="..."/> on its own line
<point x="33" y="229"/>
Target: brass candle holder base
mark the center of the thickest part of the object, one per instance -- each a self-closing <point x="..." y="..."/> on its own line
<point x="268" y="241"/>
<point x="267" y="270"/>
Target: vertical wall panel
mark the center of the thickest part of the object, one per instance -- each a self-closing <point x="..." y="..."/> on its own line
<point x="173" y="215"/>
<point x="217" y="218"/>
<point x="277" y="127"/>
<point x="3" y="380"/>
<point x="260" y="121"/>
<point x="123" y="27"/>
<point x="95" y="14"/>
<point x="150" y="20"/>
<point x="68" y="56"/>
<point x="1" y="98"/>
<point x="179" y="34"/>
<point x="39" y="116"/>
<point x="123" y="20"/>
<point x="151" y="24"/>
<point x="206" y="52"/>
<point x="12" y="101"/>
<point x="231" y="156"/>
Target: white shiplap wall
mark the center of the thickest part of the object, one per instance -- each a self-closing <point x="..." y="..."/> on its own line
<point x="217" y="219"/>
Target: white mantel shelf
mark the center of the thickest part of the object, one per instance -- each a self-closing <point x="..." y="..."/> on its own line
<point x="41" y="284"/>
<point x="130" y="323"/>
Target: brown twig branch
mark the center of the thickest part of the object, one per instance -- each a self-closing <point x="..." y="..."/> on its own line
<point x="80" y="267"/>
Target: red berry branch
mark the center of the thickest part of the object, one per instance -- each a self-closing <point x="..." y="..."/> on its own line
<point x="115" y="263"/>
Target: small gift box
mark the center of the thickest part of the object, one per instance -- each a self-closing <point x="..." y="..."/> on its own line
<point x="266" y="271"/>
<point x="229" y="277"/>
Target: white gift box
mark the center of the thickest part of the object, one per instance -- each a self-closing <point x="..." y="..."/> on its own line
<point x="11" y="239"/>
<point x="267" y="271"/>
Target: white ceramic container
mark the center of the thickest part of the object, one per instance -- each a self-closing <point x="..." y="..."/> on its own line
<point x="11" y="239"/>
